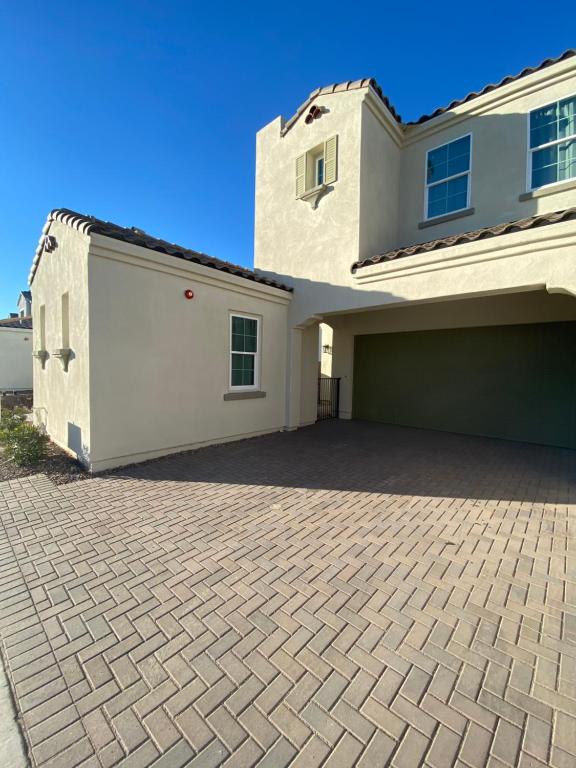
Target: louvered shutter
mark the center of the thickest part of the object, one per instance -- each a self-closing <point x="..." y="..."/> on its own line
<point x="330" y="160"/>
<point x="300" y="175"/>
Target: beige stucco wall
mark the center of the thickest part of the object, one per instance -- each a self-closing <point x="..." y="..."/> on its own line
<point x="61" y="399"/>
<point x="159" y="363"/>
<point x="15" y="358"/>
<point x="380" y="162"/>
<point x="378" y="200"/>
<point x="498" y="123"/>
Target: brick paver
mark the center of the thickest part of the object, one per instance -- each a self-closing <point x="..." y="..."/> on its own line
<point x="348" y="594"/>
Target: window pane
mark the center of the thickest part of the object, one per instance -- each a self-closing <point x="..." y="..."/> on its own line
<point x="449" y="160"/>
<point x="244" y="334"/>
<point x="459" y="156"/>
<point x="456" y="202"/>
<point x="437" y="192"/>
<point x="437" y="164"/>
<point x="543" y="125"/>
<point x="567" y="118"/>
<point x="237" y="325"/>
<point x="545" y="166"/>
<point x="242" y="370"/>
<point x="448" y="197"/>
<point x="436" y="208"/>
<point x="250" y="335"/>
<point x="459" y="185"/>
<point x="567" y="160"/>
<point x="320" y="171"/>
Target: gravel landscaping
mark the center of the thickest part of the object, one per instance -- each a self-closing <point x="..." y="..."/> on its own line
<point x="57" y="465"/>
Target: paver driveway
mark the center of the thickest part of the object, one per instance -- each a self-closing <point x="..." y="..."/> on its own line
<point x="349" y="594"/>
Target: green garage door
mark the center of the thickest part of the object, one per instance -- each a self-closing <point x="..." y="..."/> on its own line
<point x="516" y="382"/>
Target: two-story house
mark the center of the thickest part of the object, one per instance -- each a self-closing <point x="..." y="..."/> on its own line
<point x="441" y="253"/>
<point x="439" y="257"/>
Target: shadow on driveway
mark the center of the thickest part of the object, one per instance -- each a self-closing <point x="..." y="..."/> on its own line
<point x="378" y="458"/>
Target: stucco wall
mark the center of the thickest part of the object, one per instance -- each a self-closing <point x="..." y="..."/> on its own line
<point x="379" y="182"/>
<point x="378" y="201"/>
<point x="499" y="127"/>
<point x="15" y="358"/>
<point x="61" y="399"/>
<point x="160" y="362"/>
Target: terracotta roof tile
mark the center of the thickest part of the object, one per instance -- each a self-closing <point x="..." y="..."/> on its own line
<point x="350" y="85"/>
<point x="506" y="228"/>
<point x="370" y="82"/>
<point x="492" y="86"/>
<point x="91" y="225"/>
<point x="16" y="322"/>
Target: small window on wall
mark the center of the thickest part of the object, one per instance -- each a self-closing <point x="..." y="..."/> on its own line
<point x="552" y="150"/>
<point x="244" y="352"/>
<point x="448" y="178"/>
<point x="316" y="167"/>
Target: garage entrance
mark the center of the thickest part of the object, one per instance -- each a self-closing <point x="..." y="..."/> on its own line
<point x="516" y="382"/>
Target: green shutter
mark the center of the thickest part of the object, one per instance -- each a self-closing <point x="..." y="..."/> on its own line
<point x="300" y="175"/>
<point x="330" y="160"/>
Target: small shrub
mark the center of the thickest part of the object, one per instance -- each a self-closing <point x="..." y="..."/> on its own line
<point x="9" y="420"/>
<point x="25" y="444"/>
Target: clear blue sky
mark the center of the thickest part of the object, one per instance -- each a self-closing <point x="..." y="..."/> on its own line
<point x="144" y="113"/>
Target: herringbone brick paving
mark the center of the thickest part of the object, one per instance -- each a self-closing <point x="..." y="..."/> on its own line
<point x="347" y="595"/>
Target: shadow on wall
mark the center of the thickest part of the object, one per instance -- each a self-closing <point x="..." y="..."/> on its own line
<point x="74" y="443"/>
<point x="356" y="456"/>
<point x="499" y="158"/>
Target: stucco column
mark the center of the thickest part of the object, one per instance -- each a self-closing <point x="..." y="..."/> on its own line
<point x="293" y="376"/>
<point x="303" y="371"/>
<point x="310" y="367"/>
<point x="343" y="367"/>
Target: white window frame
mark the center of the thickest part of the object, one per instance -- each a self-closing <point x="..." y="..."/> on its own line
<point x="448" y="178"/>
<point x="530" y="150"/>
<point x="257" y="354"/>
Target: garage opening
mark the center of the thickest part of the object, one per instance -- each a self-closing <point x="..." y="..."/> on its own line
<point x="516" y="382"/>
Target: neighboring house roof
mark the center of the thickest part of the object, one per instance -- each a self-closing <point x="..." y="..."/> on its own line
<point x="90" y="225"/>
<point x="16" y="322"/>
<point x="27" y="295"/>
<point x="370" y="82"/>
<point x="508" y="227"/>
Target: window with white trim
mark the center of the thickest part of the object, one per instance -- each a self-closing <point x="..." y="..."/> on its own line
<point x="448" y="177"/>
<point x="552" y="143"/>
<point x="244" y="352"/>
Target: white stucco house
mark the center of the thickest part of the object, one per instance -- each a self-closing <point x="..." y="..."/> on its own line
<point x="16" y="347"/>
<point x="438" y="257"/>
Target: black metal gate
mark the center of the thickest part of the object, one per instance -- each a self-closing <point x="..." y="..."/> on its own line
<point x="328" y="398"/>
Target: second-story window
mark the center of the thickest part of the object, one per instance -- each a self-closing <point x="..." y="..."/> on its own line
<point x="317" y="166"/>
<point x="448" y="177"/>
<point x="553" y="143"/>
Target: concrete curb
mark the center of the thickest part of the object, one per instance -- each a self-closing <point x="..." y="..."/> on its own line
<point x="13" y="753"/>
